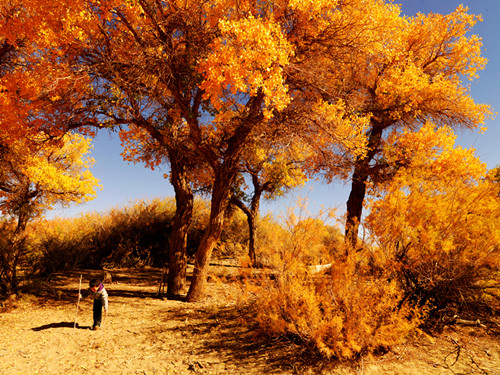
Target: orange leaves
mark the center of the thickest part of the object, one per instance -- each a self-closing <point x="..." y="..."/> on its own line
<point x="248" y="57"/>
<point x="440" y="198"/>
<point x="139" y="146"/>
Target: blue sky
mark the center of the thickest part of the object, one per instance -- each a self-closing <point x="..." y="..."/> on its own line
<point x="124" y="183"/>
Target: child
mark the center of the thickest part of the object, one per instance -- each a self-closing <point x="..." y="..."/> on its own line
<point x="100" y="299"/>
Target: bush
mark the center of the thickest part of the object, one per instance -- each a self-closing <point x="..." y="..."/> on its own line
<point x="130" y="236"/>
<point x="442" y="242"/>
<point x="342" y="313"/>
<point x="134" y="235"/>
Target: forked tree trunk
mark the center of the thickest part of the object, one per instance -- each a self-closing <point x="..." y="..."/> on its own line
<point x="177" y="263"/>
<point x="225" y="175"/>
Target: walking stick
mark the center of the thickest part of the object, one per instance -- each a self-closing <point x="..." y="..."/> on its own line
<point x="78" y="303"/>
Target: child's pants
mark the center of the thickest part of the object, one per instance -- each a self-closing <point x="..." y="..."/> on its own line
<point x="97" y="312"/>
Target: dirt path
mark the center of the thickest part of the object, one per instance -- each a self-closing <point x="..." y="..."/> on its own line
<point x="147" y="335"/>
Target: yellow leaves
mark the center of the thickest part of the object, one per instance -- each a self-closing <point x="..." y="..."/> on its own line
<point x="414" y="71"/>
<point x="429" y="155"/>
<point x="439" y="200"/>
<point x="45" y="173"/>
<point x="344" y="129"/>
<point x="440" y="42"/>
<point x="248" y="57"/>
<point x="63" y="170"/>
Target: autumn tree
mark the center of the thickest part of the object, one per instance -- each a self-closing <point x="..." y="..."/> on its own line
<point x="201" y="78"/>
<point x="272" y="172"/>
<point x="35" y="175"/>
<point x="204" y="80"/>
<point x="119" y="76"/>
<point x="437" y="219"/>
<point x="415" y="75"/>
<point x="248" y="81"/>
<point x="40" y="166"/>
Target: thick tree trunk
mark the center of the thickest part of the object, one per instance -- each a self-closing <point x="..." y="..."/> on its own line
<point x="220" y="201"/>
<point x="224" y="177"/>
<point x="177" y="263"/>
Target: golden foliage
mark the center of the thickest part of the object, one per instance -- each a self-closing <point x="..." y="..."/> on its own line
<point x="40" y="174"/>
<point x="198" y="83"/>
<point x="438" y="218"/>
<point x="340" y="312"/>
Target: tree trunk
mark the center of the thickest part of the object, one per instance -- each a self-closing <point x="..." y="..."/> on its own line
<point x="355" y="207"/>
<point x="358" y="186"/>
<point x="23" y="218"/>
<point x="252" y="218"/>
<point x="178" y="238"/>
<point x="220" y="201"/>
<point x="251" y="215"/>
<point x="224" y="177"/>
<point x="252" y="227"/>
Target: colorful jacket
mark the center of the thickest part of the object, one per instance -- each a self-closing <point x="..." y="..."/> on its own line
<point x="99" y="294"/>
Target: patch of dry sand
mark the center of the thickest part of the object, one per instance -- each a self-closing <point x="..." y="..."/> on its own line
<point x="143" y="334"/>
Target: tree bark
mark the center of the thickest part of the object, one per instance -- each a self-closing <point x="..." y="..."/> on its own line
<point x="251" y="215"/>
<point x="184" y="199"/>
<point x="358" y="186"/>
<point x="355" y="207"/>
<point x="220" y="201"/>
<point x="23" y="218"/>
<point x="225" y="171"/>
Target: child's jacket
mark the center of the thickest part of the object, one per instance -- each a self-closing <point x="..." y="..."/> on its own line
<point x="99" y="294"/>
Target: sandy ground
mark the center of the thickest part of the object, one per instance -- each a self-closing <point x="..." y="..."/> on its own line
<point x="144" y="334"/>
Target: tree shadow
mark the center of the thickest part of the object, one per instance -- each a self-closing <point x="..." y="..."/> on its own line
<point x="59" y="325"/>
<point x="237" y="341"/>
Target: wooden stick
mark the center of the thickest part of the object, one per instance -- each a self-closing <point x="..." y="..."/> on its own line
<point x="78" y="303"/>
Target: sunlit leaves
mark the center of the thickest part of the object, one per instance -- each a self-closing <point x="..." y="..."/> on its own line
<point x="39" y="174"/>
<point x="248" y="57"/>
<point x="441" y="201"/>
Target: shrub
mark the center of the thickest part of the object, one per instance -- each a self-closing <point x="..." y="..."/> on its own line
<point x="341" y="313"/>
<point x="443" y="243"/>
<point x="122" y="237"/>
<point x="129" y="236"/>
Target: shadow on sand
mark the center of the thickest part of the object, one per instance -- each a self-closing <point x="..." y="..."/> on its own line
<point x="59" y="325"/>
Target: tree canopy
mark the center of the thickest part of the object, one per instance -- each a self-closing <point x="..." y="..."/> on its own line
<point x="199" y="85"/>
